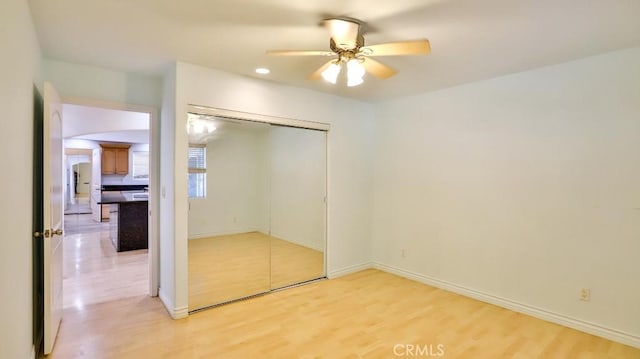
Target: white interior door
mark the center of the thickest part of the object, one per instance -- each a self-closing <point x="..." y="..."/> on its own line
<point x="53" y="215"/>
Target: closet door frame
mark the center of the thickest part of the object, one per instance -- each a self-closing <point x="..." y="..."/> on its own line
<point x="287" y="122"/>
<point x="246" y="116"/>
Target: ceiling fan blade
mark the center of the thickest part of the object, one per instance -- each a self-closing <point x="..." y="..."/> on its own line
<point x="378" y="69"/>
<point x="316" y="75"/>
<point x="344" y="32"/>
<point x="299" y="53"/>
<point x="415" y="47"/>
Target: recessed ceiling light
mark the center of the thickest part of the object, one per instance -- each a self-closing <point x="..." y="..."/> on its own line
<point x="262" y="71"/>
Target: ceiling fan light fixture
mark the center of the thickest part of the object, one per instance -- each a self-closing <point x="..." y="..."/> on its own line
<point x="343" y="32"/>
<point x="351" y="82"/>
<point x="330" y="74"/>
<point x="348" y="44"/>
<point x="201" y="127"/>
<point x="355" y="73"/>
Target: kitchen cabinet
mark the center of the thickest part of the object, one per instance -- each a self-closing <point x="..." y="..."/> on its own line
<point x="128" y="220"/>
<point x="105" y="212"/>
<point x="115" y="159"/>
<point x="128" y="225"/>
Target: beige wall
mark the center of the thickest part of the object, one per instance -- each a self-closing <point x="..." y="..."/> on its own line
<point x="96" y="83"/>
<point x="18" y="72"/>
<point x="524" y="187"/>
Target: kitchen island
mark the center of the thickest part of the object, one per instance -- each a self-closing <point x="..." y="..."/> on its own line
<point x="129" y="220"/>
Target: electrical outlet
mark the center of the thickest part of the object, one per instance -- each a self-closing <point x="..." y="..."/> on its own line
<point x="585" y="294"/>
<point x="403" y="253"/>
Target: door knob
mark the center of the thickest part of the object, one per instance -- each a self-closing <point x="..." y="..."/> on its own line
<point x="48" y="233"/>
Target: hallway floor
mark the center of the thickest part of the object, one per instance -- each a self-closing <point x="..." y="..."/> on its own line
<point x="93" y="271"/>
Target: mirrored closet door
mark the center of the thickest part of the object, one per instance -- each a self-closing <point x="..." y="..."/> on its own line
<point x="297" y="204"/>
<point x="257" y="211"/>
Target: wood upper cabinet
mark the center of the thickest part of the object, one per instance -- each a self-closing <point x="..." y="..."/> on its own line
<point x="115" y="159"/>
<point x="108" y="161"/>
<point x="122" y="161"/>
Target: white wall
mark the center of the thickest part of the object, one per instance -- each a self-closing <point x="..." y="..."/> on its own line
<point x="524" y="187"/>
<point x="350" y="165"/>
<point x="84" y="81"/>
<point x="168" y="174"/>
<point x="298" y="176"/>
<point x="80" y="144"/>
<point x="236" y="173"/>
<point x="18" y="71"/>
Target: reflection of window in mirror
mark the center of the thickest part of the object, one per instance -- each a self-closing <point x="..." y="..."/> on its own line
<point x="197" y="170"/>
<point x="140" y="166"/>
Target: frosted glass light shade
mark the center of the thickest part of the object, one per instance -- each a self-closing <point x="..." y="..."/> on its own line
<point x="355" y="72"/>
<point x="330" y="74"/>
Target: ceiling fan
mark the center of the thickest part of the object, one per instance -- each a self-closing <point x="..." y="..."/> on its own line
<point x="347" y="43"/>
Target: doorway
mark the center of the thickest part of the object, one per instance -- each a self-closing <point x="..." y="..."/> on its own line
<point x="77" y="176"/>
<point x="95" y="268"/>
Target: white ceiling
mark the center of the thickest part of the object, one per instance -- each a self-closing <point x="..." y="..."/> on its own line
<point x="104" y="125"/>
<point x="124" y="136"/>
<point x="470" y="39"/>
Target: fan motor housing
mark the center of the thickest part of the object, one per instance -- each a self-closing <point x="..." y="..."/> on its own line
<point x="339" y="49"/>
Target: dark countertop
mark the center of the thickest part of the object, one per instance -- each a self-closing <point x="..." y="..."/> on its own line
<point x="124" y="197"/>
<point x="125" y="187"/>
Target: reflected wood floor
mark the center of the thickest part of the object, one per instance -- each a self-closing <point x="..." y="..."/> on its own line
<point x="228" y="267"/>
<point x="92" y="269"/>
<point x="292" y="263"/>
<point x="363" y="315"/>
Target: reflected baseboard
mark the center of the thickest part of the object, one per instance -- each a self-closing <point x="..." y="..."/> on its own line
<point x="225" y="233"/>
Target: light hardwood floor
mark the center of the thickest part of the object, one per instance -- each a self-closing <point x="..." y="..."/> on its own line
<point x="92" y="269"/>
<point x="363" y="315"/>
<point x="228" y="267"/>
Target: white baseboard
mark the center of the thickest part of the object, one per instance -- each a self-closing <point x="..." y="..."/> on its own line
<point x="348" y="270"/>
<point x="175" y="313"/>
<point x="581" y="325"/>
<point x="222" y="233"/>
